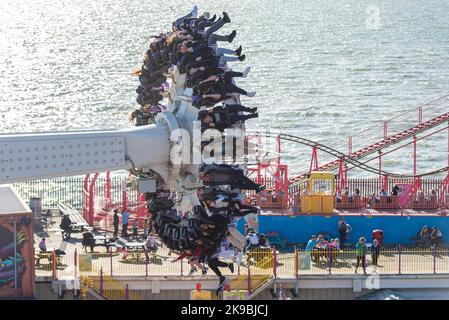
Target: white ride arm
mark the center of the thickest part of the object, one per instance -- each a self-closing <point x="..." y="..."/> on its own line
<point x="45" y="155"/>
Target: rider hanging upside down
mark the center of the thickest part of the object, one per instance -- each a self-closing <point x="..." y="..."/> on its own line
<point x="223" y="174"/>
<point x="223" y="117"/>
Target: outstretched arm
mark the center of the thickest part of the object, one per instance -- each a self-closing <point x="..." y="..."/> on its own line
<point x="214" y="96"/>
<point x="210" y="79"/>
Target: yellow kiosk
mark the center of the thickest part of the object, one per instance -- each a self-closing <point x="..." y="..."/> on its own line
<point x="321" y="193"/>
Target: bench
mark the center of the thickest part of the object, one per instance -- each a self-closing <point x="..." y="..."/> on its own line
<point x="47" y="255"/>
<point x="385" y="203"/>
<point x="423" y="203"/>
<point x="349" y="203"/>
<point x="78" y="222"/>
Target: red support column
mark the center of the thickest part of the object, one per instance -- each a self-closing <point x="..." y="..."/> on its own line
<point x="416" y="180"/>
<point x="278" y="163"/>
<point x="345" y="175"/>
<point x="249" y="279"/>
<point x="108" y="186"/>
<point x="380" y="170"/>
<point x="126" y="292"/>
<point x="124" y="196"/>
<point x="340" y="176"/>
<point x="314" y="160"/>
<point x="101" y="281"/>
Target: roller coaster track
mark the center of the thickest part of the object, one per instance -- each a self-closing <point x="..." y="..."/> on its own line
<point x="339" y="155"/>
<point x="439" y="104"/>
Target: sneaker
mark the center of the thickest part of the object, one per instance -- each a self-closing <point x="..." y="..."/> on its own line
<point x="192" y="271"/>
<point x="219" y="289"/>
<point x="251" y="94"/>
<point x="231" y="267"/>
<point x="253" y="110"/>
<point x="204" y="272"/>
<point x="261" y="188"/>
<point x="226" y="18"/>
<point x="245" y="74"/>
<point x="238" y="52"/>
<point x="242" y="57"/>
<point x="206" y="15"/>
<point x="232" y="36"/>
<point x="213" y="18"/>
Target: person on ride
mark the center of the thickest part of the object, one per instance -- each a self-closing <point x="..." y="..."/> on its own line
<point x="223" y="174"/>
<point x="203" y="73"/>
<point x="222" y="85"/>
<point x="252" y="241"/>
<point x="263" y="241"/>
<point x="223" y="117"/>
<point x="195" y="265"/>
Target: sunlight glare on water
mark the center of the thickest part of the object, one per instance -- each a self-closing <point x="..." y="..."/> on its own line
<point x="322" y="69"/>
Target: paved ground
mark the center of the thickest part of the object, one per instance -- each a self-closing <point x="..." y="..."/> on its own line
<point x="390" y="262"/>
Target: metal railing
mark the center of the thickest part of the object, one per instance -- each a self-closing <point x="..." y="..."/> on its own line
<point x="257" y="267"/>
<point x="68" y="190"/>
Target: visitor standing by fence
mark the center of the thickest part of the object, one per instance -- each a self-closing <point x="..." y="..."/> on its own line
<point x="375" y="251"/>
<point x="361" y="254"/>
<point x="115" y="223"/>
<point x="125" y="220"/>
<point x="343" y="231"/>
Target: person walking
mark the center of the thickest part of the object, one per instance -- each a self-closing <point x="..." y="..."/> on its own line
<point x="125" y="220"/>
<point x="361" y="254"/>
<point x="115" y="223"/>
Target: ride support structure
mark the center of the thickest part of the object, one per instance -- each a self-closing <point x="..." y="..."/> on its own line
<point x="424" y="121"/>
